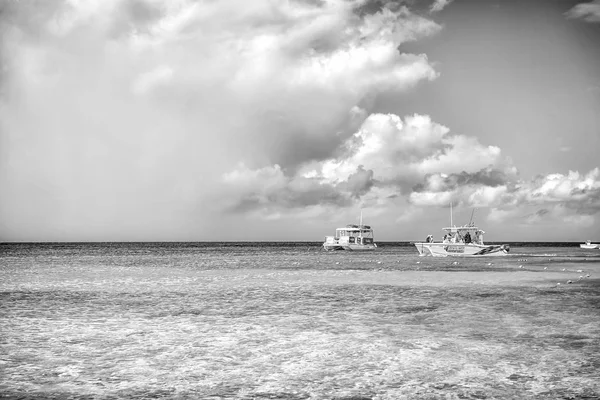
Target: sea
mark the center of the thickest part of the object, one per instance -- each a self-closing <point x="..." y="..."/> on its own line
<point x="287" y="320"/>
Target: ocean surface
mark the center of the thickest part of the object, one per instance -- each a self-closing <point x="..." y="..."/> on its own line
<point x="291" y="321"/>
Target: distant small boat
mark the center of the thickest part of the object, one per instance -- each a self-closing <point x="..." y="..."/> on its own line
<point x="589" y="245"/>
<point x="466" y="240"/>
<point x="352" y="237"/>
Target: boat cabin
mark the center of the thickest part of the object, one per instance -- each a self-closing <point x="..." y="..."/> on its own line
<point x="463" y="234"/>
<point x="355" y="234"/>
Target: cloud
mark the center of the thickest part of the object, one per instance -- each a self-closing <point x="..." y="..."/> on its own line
<point x="439" y="5"/>
<point x="493" y="188"/>
<point x="159" y="76"/>
<point x="390" y="159"/>
<point x="589" y="12"/>
<point x="548" y="217"/>
<point x="401" y="152"/>
<point x="476" y="189"/>
<point x="152" y="101"/>
<point x="360" y="182"/>
<point x="269" y="189"/>
<point x="119" y="118"/>
<point x="573" y="190"/>
<point x="556" y="197"/>
<point x="536" y="216"/>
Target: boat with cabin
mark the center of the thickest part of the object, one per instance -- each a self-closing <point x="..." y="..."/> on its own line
<point x="589" y="245"/>
<point x="351" y="237"/>
<point x="465" y="240"/>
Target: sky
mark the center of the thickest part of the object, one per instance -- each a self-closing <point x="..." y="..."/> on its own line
<point x="281" y="120"/>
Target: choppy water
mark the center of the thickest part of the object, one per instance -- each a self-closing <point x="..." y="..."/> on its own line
<point x="288" y="320"/>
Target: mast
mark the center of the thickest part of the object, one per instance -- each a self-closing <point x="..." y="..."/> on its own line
<point x="360" y="225"/>
<point x="451" y="225"/>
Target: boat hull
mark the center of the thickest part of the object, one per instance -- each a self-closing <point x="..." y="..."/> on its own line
<point x="589" y="246"/>
<point x="360" y="247"/>
<point x="350" y="247"/>
<point x="332" y="247"/>
<point x="461" y="250"/>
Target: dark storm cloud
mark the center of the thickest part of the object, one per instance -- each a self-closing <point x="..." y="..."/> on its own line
<point x="294" y="138"/>
<point x="585" y="201"/>
<point x="284" y="192"/>
<point x="486" y="177"/>
<point x="358" y="183"/>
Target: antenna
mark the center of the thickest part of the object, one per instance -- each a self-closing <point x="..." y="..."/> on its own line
<point x="471" y="220"/>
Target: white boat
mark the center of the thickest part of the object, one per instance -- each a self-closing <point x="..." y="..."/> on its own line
<point x="352" y="237"/>
<point x="589" y="245"/>
<point x="466" y="240"/>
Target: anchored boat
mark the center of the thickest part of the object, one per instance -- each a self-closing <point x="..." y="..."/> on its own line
<point x="461" y="241"/>
<point x="466" y="240"/>
<point x="352" y="237"/>
<point x="589" y="245"/>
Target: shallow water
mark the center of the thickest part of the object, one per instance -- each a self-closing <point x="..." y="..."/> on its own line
<point x="285" y="320"/>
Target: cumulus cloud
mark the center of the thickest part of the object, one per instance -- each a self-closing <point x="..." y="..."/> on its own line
<point x="554" y="197"/>
<point x="420" y="161"/>
<point x="573" y="190"/>
<point x="477" y="189"/>
<point x="589" y="12"/>
<point x="401" y="152"/>
<point x="493" y="188"/>
<point x="389" y="157"/>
